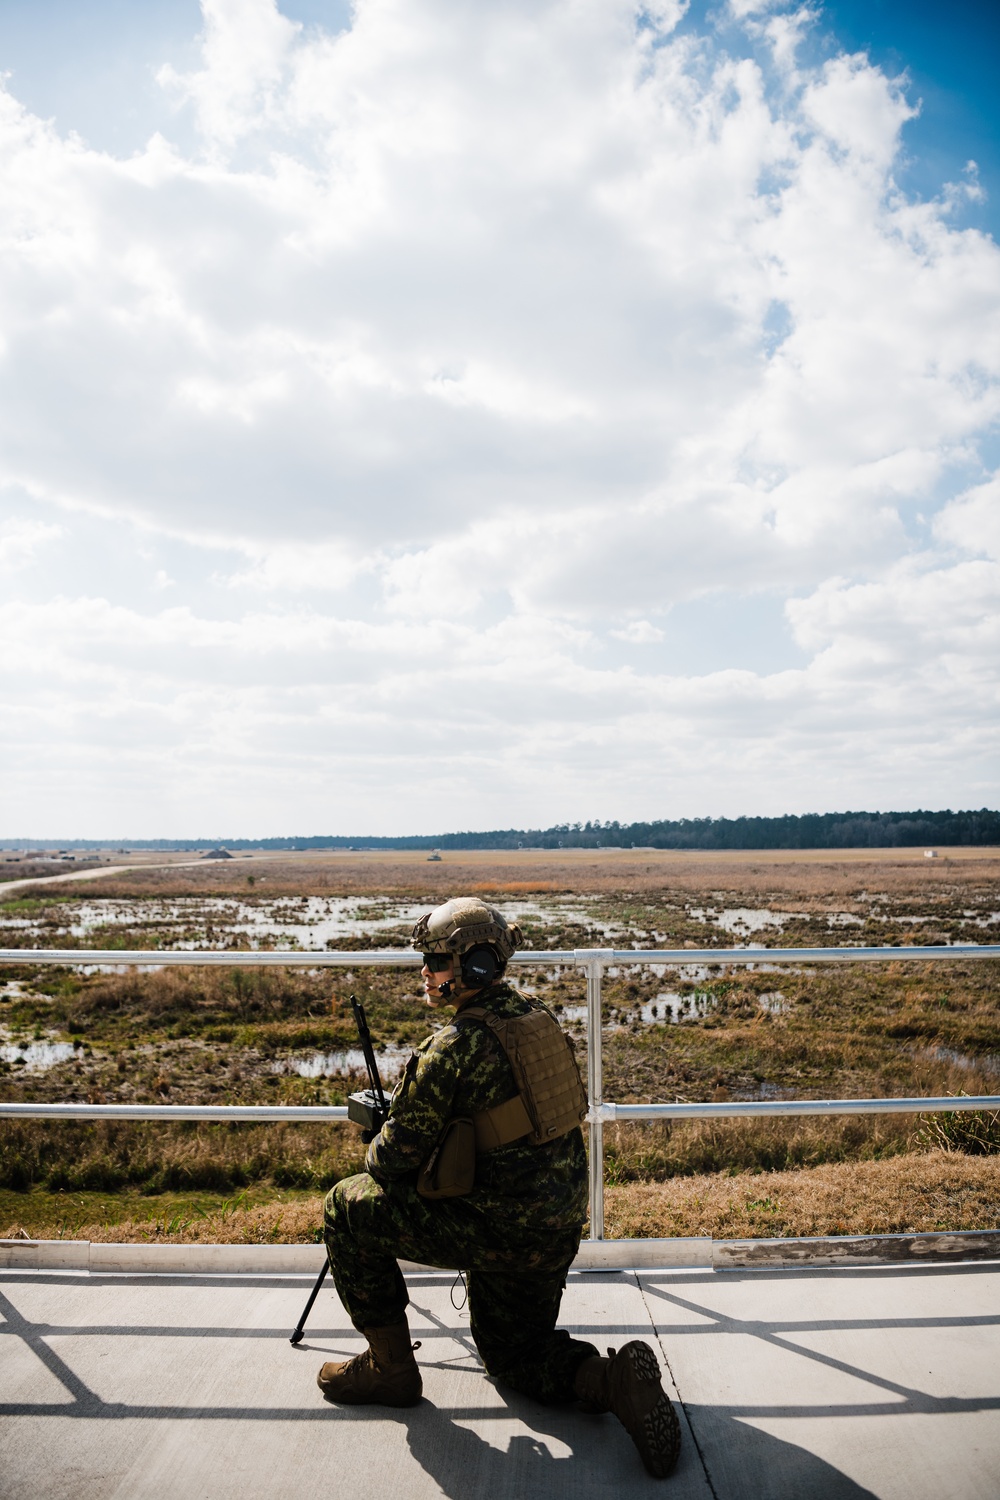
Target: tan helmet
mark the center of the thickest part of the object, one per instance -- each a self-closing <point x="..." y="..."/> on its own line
<point x="470" y="929"/>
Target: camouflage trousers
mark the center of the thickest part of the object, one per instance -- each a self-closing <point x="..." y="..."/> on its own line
<point x="515" y="1285"/>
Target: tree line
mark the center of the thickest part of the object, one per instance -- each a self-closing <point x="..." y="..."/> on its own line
<point x="847" y="830"/>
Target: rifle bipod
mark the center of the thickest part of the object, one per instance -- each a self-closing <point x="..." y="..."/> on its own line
<point x="296" y="1337"/>
<point x="369" y="1109"/>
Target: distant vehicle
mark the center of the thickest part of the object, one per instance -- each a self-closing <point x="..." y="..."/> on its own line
<point x="434" y="858"/>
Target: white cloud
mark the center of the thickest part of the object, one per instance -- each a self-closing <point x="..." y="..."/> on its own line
<point x="20" y="540"/>
<point x="741" y="9"/>
<point x="859" y="110"/>
<point x="465" y="343"/>
<point x="640" y="633"/>
<point x="972" y="521"/>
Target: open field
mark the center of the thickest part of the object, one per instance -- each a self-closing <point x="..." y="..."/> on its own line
<point x="697" y="1032"/>
<point x="817" y="873"/>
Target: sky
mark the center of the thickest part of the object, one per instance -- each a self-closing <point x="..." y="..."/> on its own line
<point x="421" y="415"/>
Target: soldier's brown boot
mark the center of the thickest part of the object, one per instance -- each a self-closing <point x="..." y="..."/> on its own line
<point x="628" y="1384"/>
<point x="386" y="1374"/>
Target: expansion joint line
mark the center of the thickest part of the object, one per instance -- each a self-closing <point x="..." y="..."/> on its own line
<point x="674" y="1382"/>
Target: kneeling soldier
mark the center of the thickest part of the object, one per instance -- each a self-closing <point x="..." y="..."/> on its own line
<point x="481" y="1166"/>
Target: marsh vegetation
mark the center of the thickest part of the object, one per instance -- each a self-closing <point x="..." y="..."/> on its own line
<point x="695" y="1032"/>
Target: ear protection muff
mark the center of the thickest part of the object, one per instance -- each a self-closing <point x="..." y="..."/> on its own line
<point x="480" y="966"/>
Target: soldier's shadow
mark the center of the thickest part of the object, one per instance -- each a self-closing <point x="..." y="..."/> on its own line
<point x="564" y="1452"/>
<point x="465" y="1464"/>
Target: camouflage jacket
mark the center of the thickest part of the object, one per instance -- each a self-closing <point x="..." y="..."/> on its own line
<point x="460" y="1070"/>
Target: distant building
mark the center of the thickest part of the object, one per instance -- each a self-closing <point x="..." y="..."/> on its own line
<point x="930" y="854"/>
<point x="217" y="854"/>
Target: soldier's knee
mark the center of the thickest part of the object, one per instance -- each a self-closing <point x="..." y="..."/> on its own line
<point x="350" y="1203"/>
<point x="331" y="1203"/>
<point x="336" y="1206"/>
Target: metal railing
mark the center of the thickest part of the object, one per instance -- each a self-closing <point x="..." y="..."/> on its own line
<point x="593" y="961"/>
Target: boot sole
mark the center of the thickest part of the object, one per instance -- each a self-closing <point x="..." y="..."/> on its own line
<point x="353" y="1400"/>
<point x="351" y="1397"/>
<point x="657" y="1435"/>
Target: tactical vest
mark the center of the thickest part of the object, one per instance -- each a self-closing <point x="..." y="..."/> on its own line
<point x="550" y="1101"/>
<point x="550" y="1098"/>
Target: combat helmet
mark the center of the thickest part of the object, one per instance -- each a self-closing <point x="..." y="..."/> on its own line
<point x="478" y="935"/>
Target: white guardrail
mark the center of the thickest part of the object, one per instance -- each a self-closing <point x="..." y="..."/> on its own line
<point x="593" y="962"/>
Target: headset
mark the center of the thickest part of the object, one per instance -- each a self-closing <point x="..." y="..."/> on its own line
<point x="480" y="966"/>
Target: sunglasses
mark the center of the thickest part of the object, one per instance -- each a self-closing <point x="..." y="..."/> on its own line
<point x="437" y="962"/>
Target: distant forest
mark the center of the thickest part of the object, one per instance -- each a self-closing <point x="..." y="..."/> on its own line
<point x="848" y="830"/>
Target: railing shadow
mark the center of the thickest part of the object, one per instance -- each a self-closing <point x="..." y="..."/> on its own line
<point x="904" y="1400"/>
<point x="469" y="1449"/>
<point x="564" y="1452"/>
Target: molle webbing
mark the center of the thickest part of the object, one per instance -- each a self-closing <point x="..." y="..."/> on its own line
<point x="550" y="1100"/>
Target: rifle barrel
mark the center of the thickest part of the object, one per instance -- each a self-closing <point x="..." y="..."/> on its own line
<point x="361" y="1021"/>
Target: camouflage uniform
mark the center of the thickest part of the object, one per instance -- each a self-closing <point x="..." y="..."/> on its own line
<point x="515" y="1234"/>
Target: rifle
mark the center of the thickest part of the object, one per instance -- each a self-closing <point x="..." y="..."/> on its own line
<point x="368" y="1108"/>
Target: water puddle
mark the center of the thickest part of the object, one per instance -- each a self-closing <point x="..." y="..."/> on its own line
<point x="318" y="923"/>
<point x="303" y="923"/>
<point x="668" y="1008"/>
<point x="741" y="920"/>
<point x="391" y="1062"/>
<point x="764" y="1091"/>
<point x="311" y="922"/>
<point x="903" y="920"/>
<point x="774" y="1002"/>
<point x="561" y="913"/>
<point x="672" y="1008"/>
<point x="35" y="1057"/>
<point x="693" y="973"/>
<point x="989" y="1063"/>
<point x="572" y="1015"/>
<point x="113" y="968"/>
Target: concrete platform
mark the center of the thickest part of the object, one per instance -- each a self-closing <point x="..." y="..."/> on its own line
<point x="200" y="1259"/>
<point x="840" y="1383"/>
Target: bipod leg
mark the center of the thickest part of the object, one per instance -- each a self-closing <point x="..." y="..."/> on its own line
<point x="296" y="1337"/>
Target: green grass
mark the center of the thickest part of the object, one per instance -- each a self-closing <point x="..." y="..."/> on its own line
<point x="61" y="1215"/>
<point x="152" y="1158"/>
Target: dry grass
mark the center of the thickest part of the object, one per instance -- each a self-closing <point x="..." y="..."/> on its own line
<point x="289" y="1223"/>
<point x="514" y="888"/>
<point x="254" y="1217"/>
<point x="75" y="1157"/>
<point x="796" y="875"/>
<point x="294" y="1223"/>
<point x="940" y="1190"/>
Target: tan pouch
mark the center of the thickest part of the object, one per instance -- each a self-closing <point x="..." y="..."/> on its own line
<point x="450" y="1170"/>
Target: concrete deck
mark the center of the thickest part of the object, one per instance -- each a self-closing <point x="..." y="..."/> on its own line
<point x="831" y="1383"/>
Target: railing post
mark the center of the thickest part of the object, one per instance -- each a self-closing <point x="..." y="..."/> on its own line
<point x="592" y="960"/>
